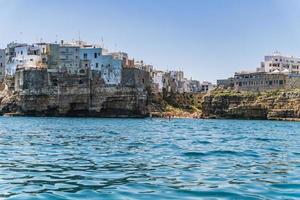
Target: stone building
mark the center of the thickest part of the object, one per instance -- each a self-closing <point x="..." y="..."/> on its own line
<point x="259" y="81"/>
<point x="226" y="83"/>
<point x="69" y="60"/>
<point x="133" y="77"/>
<point x="50" y="55"/>
<point x="2" y="64"/>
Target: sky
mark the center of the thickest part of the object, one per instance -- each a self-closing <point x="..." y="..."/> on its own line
<point x="207" y="39"/>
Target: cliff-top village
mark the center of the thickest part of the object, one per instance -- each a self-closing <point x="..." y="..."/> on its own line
<point x="80" y="79"/>
<point x="80" y="58"/>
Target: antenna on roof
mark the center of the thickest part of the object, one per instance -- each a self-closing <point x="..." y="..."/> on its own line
<point x="55" y="39"/>
<point x="79" y="36"/>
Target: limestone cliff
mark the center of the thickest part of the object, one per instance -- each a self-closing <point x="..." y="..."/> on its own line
<point x="39" y="93"/>
<point x="284" y="104"/>
<point x="185" y="105"/>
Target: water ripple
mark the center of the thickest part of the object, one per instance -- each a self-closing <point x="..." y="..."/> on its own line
<point x="78" y="158"/>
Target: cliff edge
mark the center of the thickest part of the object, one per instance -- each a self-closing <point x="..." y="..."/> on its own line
<point x="280" y="105"/>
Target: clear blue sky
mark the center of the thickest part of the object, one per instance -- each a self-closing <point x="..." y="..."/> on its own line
<point x="208" y="39"/>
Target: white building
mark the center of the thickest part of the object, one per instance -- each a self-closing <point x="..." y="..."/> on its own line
<point x="177" y="75"/>
<point x="279" y="63"/>
<point x="111" y="70"/>
<point x="108" y="65"/>
<point x="2" y="64"/>
<point x="158" y="78"/>
<point x="24" y="56"/>
<point x="93" y="55"/>
<point x="206" y="86"/>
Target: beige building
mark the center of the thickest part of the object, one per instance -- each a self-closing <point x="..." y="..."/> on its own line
<point x="259" y="81"/>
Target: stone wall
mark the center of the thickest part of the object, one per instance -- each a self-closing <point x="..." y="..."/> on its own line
<point x="133" y="77"/>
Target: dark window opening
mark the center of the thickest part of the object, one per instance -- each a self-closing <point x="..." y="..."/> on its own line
<point x="280" y="82"/>
<point x="54" y="81"/>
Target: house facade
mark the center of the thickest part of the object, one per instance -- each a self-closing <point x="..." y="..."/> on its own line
<point x="259" y="81"/>
<point x="280" y="63"/>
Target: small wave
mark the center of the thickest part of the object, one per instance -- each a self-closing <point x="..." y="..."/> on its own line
<point x="221" y="153"/>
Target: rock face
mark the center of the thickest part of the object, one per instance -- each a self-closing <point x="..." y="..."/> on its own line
<point x="269" y="105"/>
<point x="39" y="93"/>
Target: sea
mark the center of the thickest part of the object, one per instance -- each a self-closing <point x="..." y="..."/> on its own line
<point x="93" y="158"/>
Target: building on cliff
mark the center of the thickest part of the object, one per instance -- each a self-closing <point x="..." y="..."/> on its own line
<point x="206" y="86"/>
<point x="109" y="66"/>
<point x="259" y="81"/>
<point x="2" y="64"/>
<point x="69" y="60"/>
<point x="276" y="72"/>
<point x="280" y="63"/>
<point x="24" y="56"/>
<point x="81" y="59"/>
<point x="226" y="83"/>
<point x="157" y="81"/>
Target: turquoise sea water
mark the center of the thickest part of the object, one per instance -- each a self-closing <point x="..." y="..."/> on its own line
<point x="78" y="158"/>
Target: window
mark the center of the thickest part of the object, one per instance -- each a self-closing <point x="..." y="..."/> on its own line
<point x="97" y="65"/>
<point x="54" y="82"/>
<point x="85" y="56"/>
<point x="280" y="82"/>
<point x="95" y="55"/>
